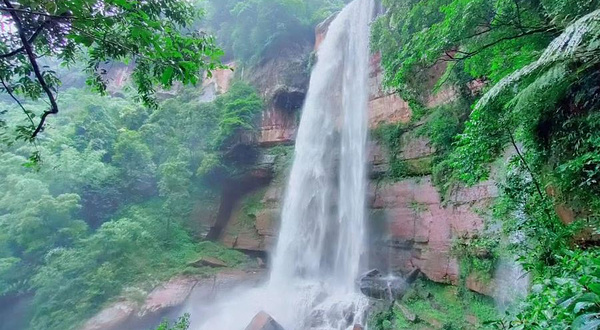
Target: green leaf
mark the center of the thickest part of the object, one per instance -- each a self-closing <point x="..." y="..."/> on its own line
<point x="586" y="322"/>
<point x="595" y="287"/>
<point x="125" y="3"/>
<point x="166" y="76"/>
<point x="581" y="306"/>
<point x="569" y="302"/>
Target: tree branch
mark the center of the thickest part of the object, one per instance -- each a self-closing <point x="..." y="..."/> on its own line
<point x="30" y="40"/>
<point x="467" y="55"/>
<point x="514" y="144"/>
<point x="12" y="95"/>
<point x="484" y="47"/>
<point x="519" y="21"/>
<point x="12" y="10"/>
<point x="65" y="15"/>
<point x="36" y="69"/>
<point x="488" y="29"/>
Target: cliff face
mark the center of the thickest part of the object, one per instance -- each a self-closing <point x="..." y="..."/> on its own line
<point x="282" y="81"/>
<point x="384" y="106"/>
<point x="410" y="226"/>
<point x="412" y="229"/>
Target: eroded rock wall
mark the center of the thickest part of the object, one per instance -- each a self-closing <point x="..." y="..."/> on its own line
<point x="385" y="106"/>
<point x="258" y="232"/>
<point x="282" y="80"/>
<point x="413" y="229"/>
<point x="410" y="227"/>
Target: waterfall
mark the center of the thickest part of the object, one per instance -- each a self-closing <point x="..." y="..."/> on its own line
<point x="321" y="242"/>
<point x="322" y="232"/>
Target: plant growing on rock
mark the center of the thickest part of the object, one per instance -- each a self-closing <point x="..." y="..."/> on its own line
<point x="183" y="323"/>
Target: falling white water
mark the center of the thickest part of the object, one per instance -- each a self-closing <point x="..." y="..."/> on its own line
<point x="322" y="232"/>
<point x="322" y="239"/>
<point x="511" y="283"/>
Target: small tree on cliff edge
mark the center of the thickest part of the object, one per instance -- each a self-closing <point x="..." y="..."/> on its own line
<point x="155" y="34"/>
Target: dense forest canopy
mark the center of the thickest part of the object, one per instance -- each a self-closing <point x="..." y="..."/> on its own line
<point x="249" y="29"/>
<point x="122" y="176"/>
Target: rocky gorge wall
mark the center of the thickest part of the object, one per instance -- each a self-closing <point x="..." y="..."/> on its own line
<point x="282" y="80"/>
<point x="411" y="227"/>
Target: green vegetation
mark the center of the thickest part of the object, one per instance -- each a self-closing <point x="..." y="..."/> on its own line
<point x="110" y="206"/>
<point x="250" y="29"/>
<point x="251" y="206"/>
<point x="477" y="256"/>
<point x="538" y="66"/>
<point x="443" y="125"/>
<point x="156" y="35"/>
<point x="573" y="285"/>
<point x="391" y="137"/>
<point x="436" y="306"/>
<point x="183" y="323"/>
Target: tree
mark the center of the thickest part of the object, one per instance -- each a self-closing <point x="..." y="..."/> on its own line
<point x="153" y="34"/>
<point x="174" y="186"/>
<point x="250" y="29"/>
<point x="134" y="160"/>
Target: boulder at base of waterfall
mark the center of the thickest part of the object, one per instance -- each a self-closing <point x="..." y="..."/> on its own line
<point x="263" y="321"/>
<point x="412" y="276"/>
<point x="358" y="327"/>
<point x="111" y="317"/>
<point x="168" y="295"/>
<point x="208" y="261"/>
<point x="375" y="285"/>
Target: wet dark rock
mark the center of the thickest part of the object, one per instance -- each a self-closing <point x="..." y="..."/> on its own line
<point x="260" y="262"/>
<point x="372" y="273"/>
<point x="347" y="315"/>
<point x="263" y="321"/>
<point x="340" y="314"/>
<point x="412" y="276"/>
<point x="375" y="285"/>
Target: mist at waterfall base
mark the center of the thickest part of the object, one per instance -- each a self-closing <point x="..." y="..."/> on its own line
<point x="321" y="242"/>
